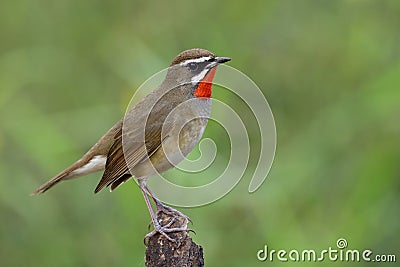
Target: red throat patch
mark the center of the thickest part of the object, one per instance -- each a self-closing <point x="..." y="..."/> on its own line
<point x="204" y="89"/>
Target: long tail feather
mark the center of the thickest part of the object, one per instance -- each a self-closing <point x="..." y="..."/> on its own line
<point x="79" y="168"/>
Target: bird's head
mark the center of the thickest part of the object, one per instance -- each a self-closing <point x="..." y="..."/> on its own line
<point x="196" y="68"/>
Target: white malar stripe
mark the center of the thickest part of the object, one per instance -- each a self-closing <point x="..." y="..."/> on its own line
<point x="199" y="77"/>
<point x="196" y="60"/>
<point x="97" y="163"/>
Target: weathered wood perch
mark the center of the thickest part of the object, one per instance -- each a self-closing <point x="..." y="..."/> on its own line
<point x="162" y="252"/>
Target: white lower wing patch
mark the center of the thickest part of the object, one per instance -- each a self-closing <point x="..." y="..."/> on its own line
<point x="97" y="163"/>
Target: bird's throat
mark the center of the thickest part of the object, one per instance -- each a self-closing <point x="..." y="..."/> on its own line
<point x="204" y="89"/>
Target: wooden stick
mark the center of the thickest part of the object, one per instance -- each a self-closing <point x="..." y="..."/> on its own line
<point x="162" y="252"/>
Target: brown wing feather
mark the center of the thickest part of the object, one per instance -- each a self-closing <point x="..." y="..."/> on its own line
<point x="116" y="166"/>
<point x="149" y="114"/>
<point x="120" y="181"/>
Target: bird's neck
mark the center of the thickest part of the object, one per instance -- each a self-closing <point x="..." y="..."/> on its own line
<point x="204" y="88"/>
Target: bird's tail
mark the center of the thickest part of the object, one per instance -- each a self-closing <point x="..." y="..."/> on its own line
<point x="79" y="168"/>
<point x="49" y="184"/>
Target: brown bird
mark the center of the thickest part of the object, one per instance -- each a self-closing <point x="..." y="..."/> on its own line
<point x="156" y="134"/>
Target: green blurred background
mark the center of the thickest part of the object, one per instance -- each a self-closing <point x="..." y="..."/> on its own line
<point x="329" y="69"/>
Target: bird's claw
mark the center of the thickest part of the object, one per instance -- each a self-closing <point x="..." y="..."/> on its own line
<point x="163" y="230"/>
<point x="173" y="212"/>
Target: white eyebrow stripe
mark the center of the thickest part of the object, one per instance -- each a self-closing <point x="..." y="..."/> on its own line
<point x="196" y="60"/>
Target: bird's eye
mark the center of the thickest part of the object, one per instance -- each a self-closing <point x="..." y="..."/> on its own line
<point x="192" y="66"/>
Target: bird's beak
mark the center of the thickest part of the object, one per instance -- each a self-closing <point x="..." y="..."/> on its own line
<point x="220" y="60"/>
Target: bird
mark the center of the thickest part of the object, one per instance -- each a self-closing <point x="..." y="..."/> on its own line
<point x="154" y="135"/>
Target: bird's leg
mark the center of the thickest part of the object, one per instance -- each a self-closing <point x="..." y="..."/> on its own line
<point x="166" y="209"/>
<point x="163" y="230"/>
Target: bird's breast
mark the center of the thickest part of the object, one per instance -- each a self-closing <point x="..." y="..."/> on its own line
<point x="189" y="125"/>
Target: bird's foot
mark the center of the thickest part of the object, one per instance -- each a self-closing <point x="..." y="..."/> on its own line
<point x="164" y="230"/>
<point x="171" y="211"/>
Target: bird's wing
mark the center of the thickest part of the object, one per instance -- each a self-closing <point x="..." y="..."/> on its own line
<point x="117" y="170"/>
